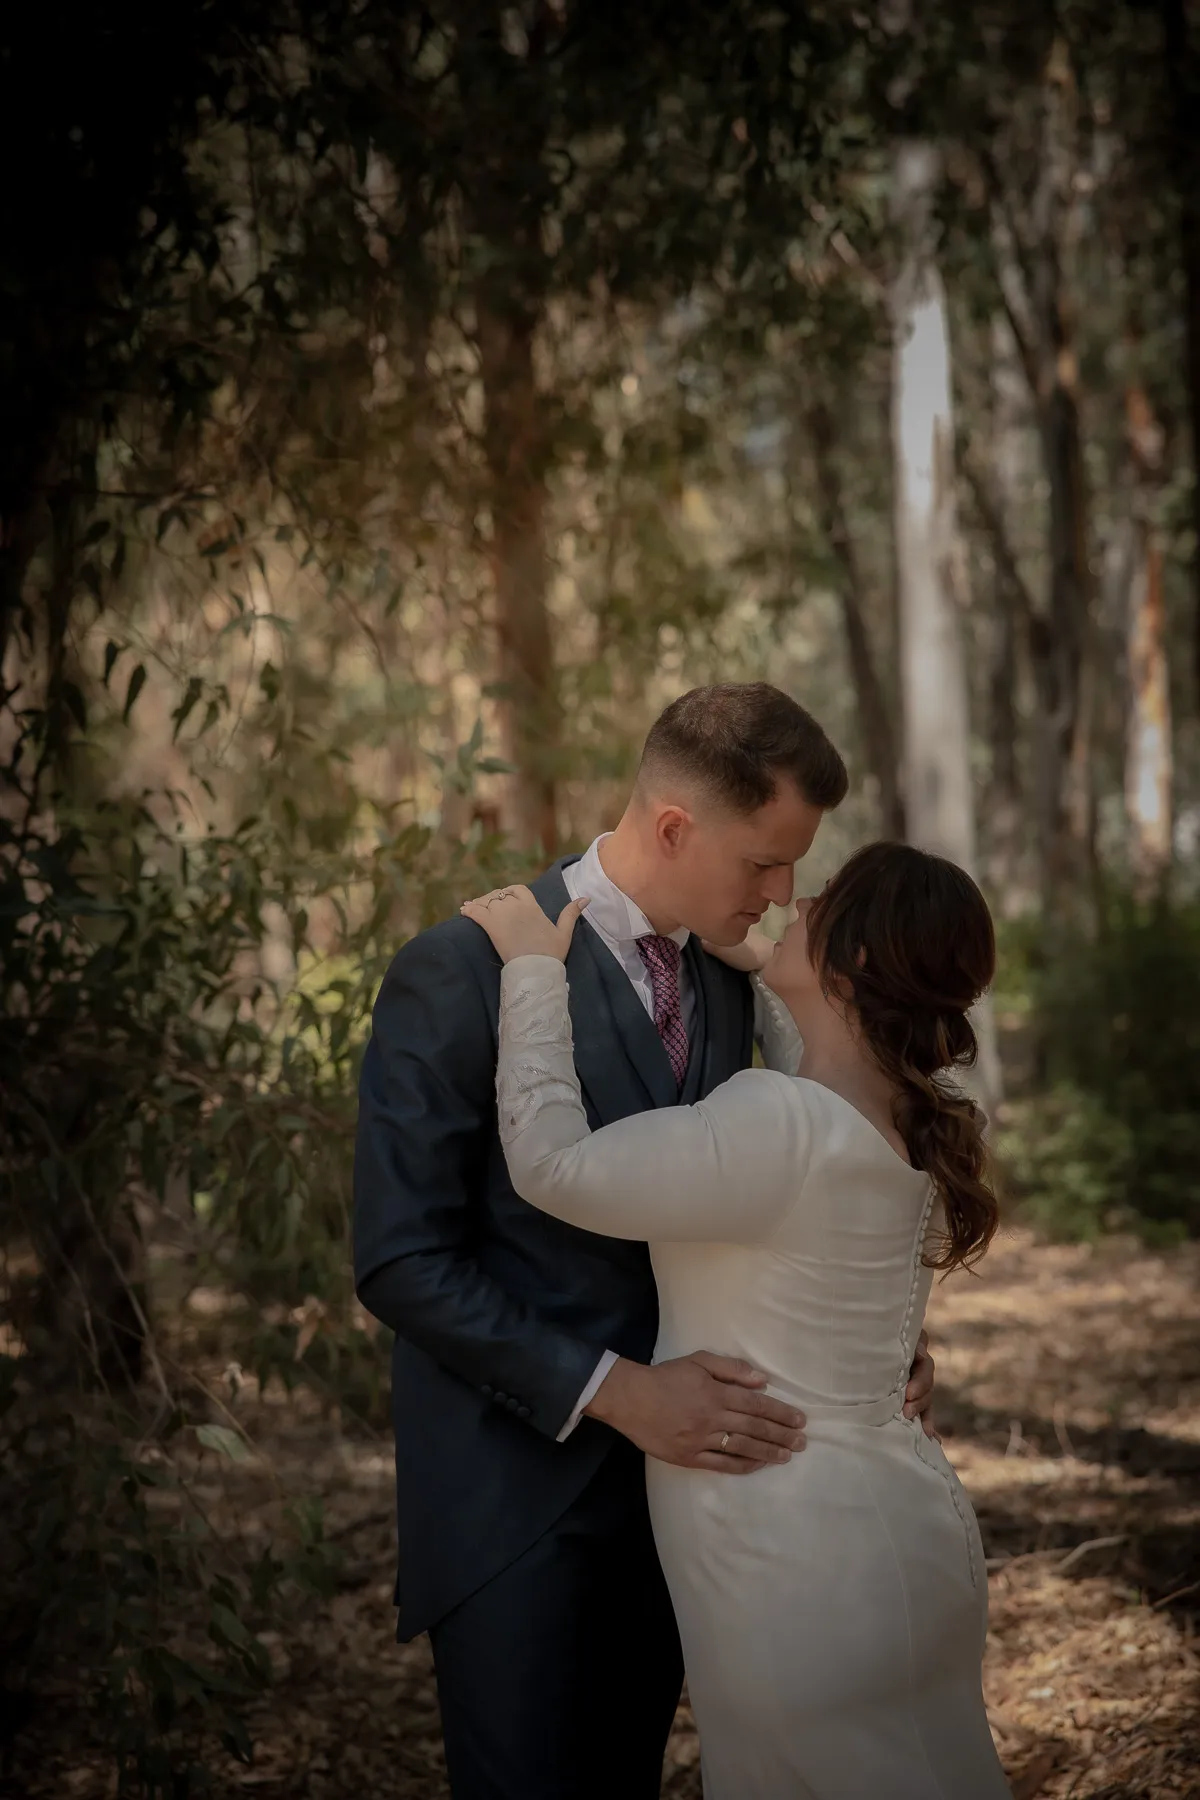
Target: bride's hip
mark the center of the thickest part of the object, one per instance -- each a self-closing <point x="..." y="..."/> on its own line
<point x="842" y="1525"/>
<point x="849" y="1476"/>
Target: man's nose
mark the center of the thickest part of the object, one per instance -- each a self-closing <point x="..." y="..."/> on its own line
<point x="780" y="885"/>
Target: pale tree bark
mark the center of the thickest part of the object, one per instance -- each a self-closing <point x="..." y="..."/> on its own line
<point x="875" y="722"/>
<point x="1148" y="755"/>
<point x="941" y="815"/>
<point x="939" y="801"/>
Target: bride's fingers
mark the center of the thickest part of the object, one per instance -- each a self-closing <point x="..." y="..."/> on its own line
<point x="489" y="899"/>
<point x="572" y="913"/>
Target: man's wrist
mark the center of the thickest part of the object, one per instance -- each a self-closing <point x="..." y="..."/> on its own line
<point x="609" y="1401"/>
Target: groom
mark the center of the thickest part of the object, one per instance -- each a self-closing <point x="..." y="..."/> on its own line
<point x="523" y="1394"/>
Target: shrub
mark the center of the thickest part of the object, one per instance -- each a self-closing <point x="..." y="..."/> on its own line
<point x="145" y="1052"/>
<point x="1110" y="1135"/>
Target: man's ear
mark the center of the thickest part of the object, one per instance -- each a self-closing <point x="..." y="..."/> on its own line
<point x="671" y="829"/>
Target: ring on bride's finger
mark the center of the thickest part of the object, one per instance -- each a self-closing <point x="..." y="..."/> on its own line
<point x="724" y="1440"/>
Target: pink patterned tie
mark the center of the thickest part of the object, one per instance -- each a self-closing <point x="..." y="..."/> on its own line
<point x="661" y="956"/>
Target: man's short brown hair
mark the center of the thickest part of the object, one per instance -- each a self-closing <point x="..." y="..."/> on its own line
<point x="734" y="741"/>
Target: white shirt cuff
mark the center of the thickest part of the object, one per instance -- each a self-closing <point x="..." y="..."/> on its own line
<point x="589" y="1393"/>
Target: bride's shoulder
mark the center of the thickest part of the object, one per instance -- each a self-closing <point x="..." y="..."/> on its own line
<point x="769" y="1094"/>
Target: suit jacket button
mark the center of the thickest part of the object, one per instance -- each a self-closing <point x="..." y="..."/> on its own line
<point x="513" y="1405"/>
<point x="486" y="1390"/>
<point x="522" y="1412"/>
<point x="499" y="1398"/>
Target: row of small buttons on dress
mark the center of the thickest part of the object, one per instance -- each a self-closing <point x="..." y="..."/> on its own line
<point x="514" y="1406"/>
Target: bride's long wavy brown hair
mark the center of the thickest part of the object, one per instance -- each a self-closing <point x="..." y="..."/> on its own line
<point x="907" y="939"/>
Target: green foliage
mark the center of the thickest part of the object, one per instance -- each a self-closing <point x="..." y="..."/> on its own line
<point x="1111" y="1136"/>
<point x="144" y="1047"/>
<point x="150" y="1067"/>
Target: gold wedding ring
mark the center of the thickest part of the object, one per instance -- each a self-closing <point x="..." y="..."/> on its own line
<point x="724" y="1439"/>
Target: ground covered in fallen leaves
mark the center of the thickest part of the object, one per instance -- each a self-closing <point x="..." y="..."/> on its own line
<point x="1069" y="1395"/>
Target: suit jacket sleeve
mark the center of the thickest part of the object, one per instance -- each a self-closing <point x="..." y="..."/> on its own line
<point x="426" y="1125"/>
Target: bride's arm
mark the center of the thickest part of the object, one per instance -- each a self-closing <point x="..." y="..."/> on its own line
<point x="725" y="1170"/>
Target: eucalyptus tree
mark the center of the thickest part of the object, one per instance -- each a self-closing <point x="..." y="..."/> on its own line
<point x="534" y="167"/>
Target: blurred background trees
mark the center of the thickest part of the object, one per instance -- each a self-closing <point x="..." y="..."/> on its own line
<point x="400" y="404"/>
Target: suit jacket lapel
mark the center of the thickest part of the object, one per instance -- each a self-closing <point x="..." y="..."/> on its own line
<point x="727" y="1043"/>
<point x="698" y="1079"/>
<point x="636" y="1030"/>
<point x="622" y="1065"/>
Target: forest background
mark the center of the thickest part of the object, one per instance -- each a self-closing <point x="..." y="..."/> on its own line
<point x="398" y="405"/>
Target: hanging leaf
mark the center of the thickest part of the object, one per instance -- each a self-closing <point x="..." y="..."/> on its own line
<point x="192" y="693"/>
<point x="137" y="682"/>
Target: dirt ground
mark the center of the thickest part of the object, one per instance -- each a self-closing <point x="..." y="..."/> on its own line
<point x="1069" y="1396"/>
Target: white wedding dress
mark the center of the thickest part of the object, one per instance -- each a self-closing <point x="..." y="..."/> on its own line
<point x="832" y="1609"/>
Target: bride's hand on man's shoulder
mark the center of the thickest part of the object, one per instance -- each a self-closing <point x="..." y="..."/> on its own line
<point x="750" y="956"/>
<point x="517" y="925"/>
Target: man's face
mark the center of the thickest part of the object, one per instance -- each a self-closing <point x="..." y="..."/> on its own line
<point x="727" y="868"/>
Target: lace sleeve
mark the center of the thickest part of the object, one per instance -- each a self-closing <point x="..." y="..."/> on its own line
<point x="536" y="1066"/>
<point x="775" y="1030"/>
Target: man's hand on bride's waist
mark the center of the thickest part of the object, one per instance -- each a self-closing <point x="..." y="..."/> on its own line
<point x="701" y="1412"/>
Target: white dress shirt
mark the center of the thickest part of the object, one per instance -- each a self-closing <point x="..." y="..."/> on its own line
<point x="618" y="922"/>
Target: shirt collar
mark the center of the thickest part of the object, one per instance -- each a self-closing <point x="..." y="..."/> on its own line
<point x="611" y="911"/>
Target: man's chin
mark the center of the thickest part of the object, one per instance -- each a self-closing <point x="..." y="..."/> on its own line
<point x="728" y="937"/>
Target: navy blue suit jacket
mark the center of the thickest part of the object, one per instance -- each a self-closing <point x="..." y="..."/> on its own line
<point x="500" y="1313"/>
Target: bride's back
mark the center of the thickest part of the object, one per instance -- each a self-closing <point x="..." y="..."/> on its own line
<point x="829" y="1303"/>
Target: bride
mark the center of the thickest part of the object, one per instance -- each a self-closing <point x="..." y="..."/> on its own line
<point x="833" y="1609"/>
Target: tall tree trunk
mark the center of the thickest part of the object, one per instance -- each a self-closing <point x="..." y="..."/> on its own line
<point x="504" y="210"/>
<point x="1183" y="78"/>
<point x="1008" y="415"/>
<point x="515" y="447"/>
<point x="937" y="741"/>
<point x="940" y="811"/>
<point x="874" y="716"/>
<point x="1148" y="756"/>
<point x="1034" y="289"/>
<point x="1058" y="415"/>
